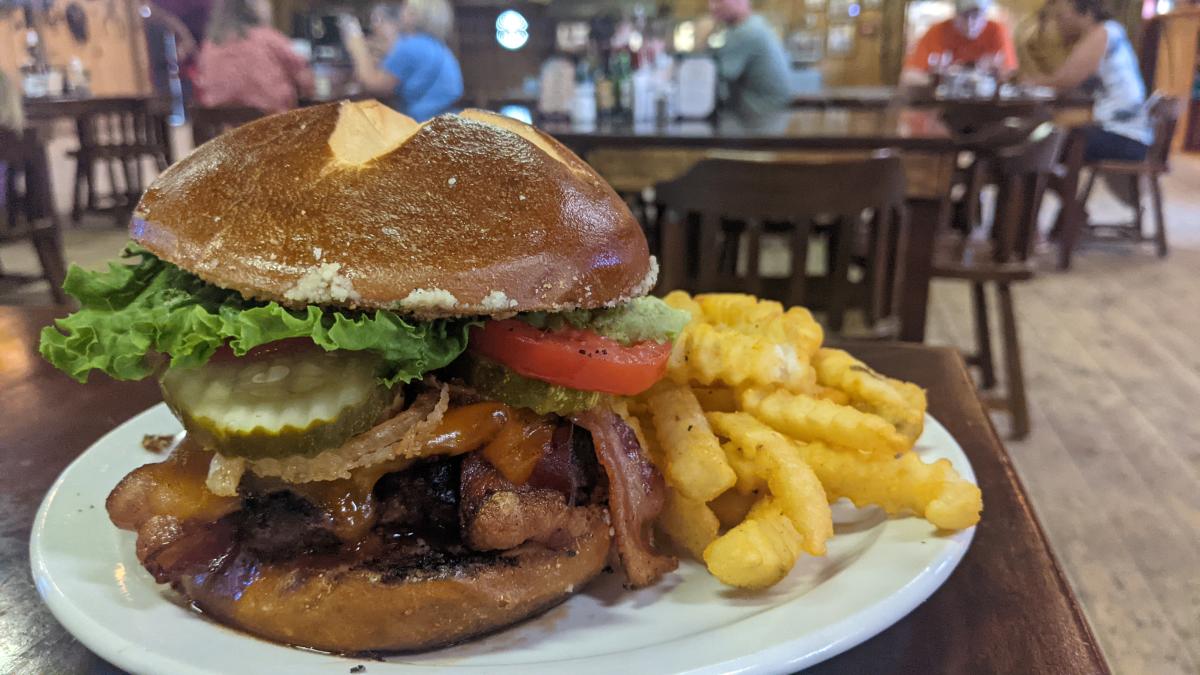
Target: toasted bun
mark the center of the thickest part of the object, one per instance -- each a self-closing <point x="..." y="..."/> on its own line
<point x="355" y="205"/>
<point x="404" y="606"/>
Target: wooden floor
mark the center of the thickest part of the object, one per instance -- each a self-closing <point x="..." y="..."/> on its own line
<point x="1112" y="358"/>
<point x="1112" y="352"/>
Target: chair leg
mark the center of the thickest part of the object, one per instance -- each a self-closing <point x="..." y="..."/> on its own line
<point x="1018" y="405"/>
<point x="12" y="201"/>
<point x="48" y="248"/>
<point x="1138" y="225"/>
<point x="93" y="193"/>
<point x="1087" y="187"/>
<point x="1160" y="222"/>
<point x="983" y="337"/>
<point x="81" y="189"/>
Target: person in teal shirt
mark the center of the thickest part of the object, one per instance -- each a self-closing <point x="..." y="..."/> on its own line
<point x="752" y="65"/>
<point x="418" y="72"/>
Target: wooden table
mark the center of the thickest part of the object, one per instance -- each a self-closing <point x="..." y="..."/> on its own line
<point x="56" y="107"/>
<point x="1006" y="609"/>
<point x="658" y="153"/>
<point x="880" y="96"/>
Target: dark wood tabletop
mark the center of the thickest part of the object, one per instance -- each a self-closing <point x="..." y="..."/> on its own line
<point x="846" y="128"/>
<point x="55" y="107"/>
<point x="1007" y="608"/>
<point x="877" y="96"/>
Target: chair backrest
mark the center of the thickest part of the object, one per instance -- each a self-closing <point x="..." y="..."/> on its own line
<point x="856" y="204"/>
<point x="208" y="123"/>
<point x="23" y="151"/>
<point x="138" y="124"/>
<point x="1164" y="114"/>
<point x="1021" y="173"/>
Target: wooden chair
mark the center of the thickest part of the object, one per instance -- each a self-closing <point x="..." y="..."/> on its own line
<point x="1164" y="115"/>
<point x="856" y="205"/>
<point x="36" y="221"/>
<point x="208" y="123"/>
<point x="977" y="124"/>
<point x="116" y="134"/>
<point x="1004" y="258"/>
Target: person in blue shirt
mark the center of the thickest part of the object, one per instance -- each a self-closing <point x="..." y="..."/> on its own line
<point x="418" y="72"/>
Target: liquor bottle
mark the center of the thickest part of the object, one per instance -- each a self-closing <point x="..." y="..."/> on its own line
<point x="623" y="83"/>
<point x="583" y="108"/>
<point x="605" y="90"/>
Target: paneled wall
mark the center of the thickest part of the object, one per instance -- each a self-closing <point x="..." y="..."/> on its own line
<point x="114" y="51"/>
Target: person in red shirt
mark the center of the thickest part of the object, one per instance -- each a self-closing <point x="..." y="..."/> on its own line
<point x="245" y="62"/>
<point x="968" y="39"/>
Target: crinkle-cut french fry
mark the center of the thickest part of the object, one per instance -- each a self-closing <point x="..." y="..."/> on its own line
<point x="711" y="354"/>
<point x="933" y="491"/>
<point x="836" y="395"/>
<point x="681" y="300"/>
<point x="791" y="482"/>
<point x="738" y="310"/>
<point x="716" y="399"/>
<point x="767" y="318"/>
<point x="913" y="395"/>
<point x="901" y="404"/>
<point x="802" y="330"/>
<point x="621" y="406"/>
<point x="758" y="553"/>
<point x="806" y="418"/>
<point x="689" y="523"/>
<point x="749" y="480"/>
<point x="695" y="463"/>
<point x="732" y="506"/>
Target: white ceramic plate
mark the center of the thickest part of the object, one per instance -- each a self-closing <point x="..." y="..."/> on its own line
<point x="877" y="570"/>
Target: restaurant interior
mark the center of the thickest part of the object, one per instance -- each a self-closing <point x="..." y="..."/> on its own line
<point x="824" y="153"/>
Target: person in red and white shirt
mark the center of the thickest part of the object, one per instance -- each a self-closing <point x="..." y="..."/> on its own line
<point x="967" y="39"/>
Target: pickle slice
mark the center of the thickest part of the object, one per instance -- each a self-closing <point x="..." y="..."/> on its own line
<point x="280" y="404"/>
<point x="496" y="381"/>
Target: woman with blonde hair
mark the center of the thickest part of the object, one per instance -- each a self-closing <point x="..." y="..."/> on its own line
<point x="245" y="62"/>
<point x="419" y="72"/>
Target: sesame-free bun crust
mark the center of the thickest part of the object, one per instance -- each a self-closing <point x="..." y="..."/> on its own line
<point x="465" y="214"/>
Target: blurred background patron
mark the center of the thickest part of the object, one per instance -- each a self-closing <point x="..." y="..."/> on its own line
<point x="969" y="38"/>
<point x="752" y="64"/>
<point x="1041" y="48"/>
<point x="418" y="72"/>
<point x="245" y="62"/>
<point x="1102" y="63"/>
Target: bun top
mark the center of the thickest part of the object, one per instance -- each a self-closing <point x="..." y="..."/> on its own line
<point x="356" y="205"/>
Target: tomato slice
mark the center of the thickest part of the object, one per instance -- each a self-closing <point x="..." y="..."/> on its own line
<point x="579" y="359"/>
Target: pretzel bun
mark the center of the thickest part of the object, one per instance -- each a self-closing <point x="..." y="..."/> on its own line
<point x="355" y="205"/>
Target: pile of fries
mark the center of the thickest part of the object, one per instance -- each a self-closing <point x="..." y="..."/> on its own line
<point x="757" y="428"/>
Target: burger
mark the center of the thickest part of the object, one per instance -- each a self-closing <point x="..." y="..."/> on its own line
<point x="394" y="349"/>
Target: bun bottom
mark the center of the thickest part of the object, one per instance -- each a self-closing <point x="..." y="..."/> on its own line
<point x="391" y="602"/>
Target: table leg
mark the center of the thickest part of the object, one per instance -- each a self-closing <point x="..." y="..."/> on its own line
<point x="926" y="218"/>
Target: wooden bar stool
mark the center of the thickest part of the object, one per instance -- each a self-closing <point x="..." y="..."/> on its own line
<point x="36" y="221"/>
<point x="856" y="205"/>
<point x="1164" y="115"/>
<point x="115" y="134"/>
<point x="1004" y="258"/>
<point x="208" y="123"/>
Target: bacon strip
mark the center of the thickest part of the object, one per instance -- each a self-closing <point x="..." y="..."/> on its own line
<point x="636" y="495"/>
<point x="497" y="515"/>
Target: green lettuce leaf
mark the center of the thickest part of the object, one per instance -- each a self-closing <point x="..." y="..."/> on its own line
<point x="131" y="312"/>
